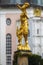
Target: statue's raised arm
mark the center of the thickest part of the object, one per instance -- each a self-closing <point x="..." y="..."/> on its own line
<point x="19" y="6"/>
<point x="23" y="7"/>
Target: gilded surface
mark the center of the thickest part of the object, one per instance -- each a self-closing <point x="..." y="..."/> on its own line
<point x="37" y="12"/>
<point x="23" y="31"/>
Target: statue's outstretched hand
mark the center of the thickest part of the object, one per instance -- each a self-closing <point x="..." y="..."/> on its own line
<point x="18" y="6"/>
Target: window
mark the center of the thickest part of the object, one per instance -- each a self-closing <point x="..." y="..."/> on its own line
<point x="5" y="1"/>
<point x="13" y="1"/>
<point x="37" y="2"/>
<point x="34" y="1"/>
<point x="37" y="31"/>
<point x="8" y="21"/>
<point x="8" y="49"/>
<point x="22" y="1"/>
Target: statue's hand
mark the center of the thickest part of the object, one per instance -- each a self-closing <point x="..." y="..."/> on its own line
<point x="19" y="6"/>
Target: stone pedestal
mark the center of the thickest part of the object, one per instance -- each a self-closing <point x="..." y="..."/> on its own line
<point x="22" y="60"/>
<point x="21" y="57"/>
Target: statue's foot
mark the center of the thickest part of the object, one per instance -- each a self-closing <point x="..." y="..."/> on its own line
<point x="27" y="47"/>
<point x="19" y="46"/>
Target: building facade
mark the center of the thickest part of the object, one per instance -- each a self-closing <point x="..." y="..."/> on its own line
<point x="37" y="35"/>
<point x="9" y="17"/>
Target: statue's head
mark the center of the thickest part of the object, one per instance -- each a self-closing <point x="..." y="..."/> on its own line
<point x="26" y="4"/>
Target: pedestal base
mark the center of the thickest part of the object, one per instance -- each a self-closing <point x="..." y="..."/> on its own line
<point x="22" y="60"/>
<point x="21" y="57"/>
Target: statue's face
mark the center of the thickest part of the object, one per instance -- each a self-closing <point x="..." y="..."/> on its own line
<point x="27" y="4"/>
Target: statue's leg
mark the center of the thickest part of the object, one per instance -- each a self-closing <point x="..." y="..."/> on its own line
<point x="20" y="39"/>
<point x="25" y="38"/>
<point x="20" y="42"/>
<point x="20" y="35"/>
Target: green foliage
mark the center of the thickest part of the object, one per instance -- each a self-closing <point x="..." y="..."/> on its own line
<point x="41" y="62"/>
<point x="34" y="60"/>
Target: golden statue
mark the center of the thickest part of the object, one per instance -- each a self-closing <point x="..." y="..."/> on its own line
<point x="37" y="12"/>
<point x="23" y="31"/>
